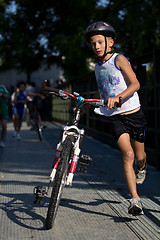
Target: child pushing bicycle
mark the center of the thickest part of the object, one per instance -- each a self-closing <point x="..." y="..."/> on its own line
<point x="117" y="80"/>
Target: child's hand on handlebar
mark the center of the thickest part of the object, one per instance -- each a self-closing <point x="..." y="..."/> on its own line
<point x="113" y="102"/>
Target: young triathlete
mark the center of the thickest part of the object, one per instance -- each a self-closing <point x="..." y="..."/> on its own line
<point x="116" y="79"/>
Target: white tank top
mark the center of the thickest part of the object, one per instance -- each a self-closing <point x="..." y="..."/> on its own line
<point x="111" y="82"/>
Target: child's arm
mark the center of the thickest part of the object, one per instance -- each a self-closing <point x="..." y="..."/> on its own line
<point x="123" y="64"/>
<point x="35" y="95"/>
<point x="15" y="98"/>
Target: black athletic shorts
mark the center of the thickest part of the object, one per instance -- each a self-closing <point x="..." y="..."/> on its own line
<point x="133" y="124"/>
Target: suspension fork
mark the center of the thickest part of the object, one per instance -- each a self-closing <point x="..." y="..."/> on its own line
<point x="57" y="156"/>
<point x="74" y="162"/>
<point x="77" y="149"/>
<point x="73" y="166"/>
<point x="56" y="161"/>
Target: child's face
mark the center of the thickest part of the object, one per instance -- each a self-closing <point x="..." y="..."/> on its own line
<point x="98" y="44"/>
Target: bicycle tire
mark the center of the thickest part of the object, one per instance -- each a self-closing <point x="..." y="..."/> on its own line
<point x="59" y="182"/>
<point x="38" y="129"/>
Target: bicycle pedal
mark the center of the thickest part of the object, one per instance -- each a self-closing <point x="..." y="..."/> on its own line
<point x="40" y="191"/>
<point x="85" y="160"/>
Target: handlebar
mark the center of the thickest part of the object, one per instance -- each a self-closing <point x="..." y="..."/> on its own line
<point x="65" y="95"/>
<point x="49" y="89"/>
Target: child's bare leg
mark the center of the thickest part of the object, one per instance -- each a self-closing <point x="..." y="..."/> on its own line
<point x="128" y="160"/>
<point x="19" y="126"/>
<point x="140" y="154"/>
<point x="4" y="129"/>
<point x="140" y="166"/>
<point x="16" y="120"/>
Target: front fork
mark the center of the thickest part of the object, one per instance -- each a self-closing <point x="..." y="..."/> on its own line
<point x="73" y="165"/>
<point x="55" y="161"/>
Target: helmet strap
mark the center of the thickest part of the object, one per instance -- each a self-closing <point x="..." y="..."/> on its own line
<point x="105" y="53"/>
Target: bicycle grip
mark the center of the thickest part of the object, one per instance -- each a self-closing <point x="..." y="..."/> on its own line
<point x="117" y="105"/>
<point x="120" y="102"/>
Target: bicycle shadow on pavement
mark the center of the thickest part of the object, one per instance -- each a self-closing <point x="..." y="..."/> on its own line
<point x="21" y="210"/>
<point x="70" y="203"/>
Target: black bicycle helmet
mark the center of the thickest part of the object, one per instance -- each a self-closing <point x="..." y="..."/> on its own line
<point x="102" y="28"/>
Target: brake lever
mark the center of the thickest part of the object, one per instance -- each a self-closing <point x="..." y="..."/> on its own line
<point x="63" y="95"/>
<point x="120" y="102"/>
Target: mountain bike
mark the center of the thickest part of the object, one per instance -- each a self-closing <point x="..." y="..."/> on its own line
<point x="67" y="153"/>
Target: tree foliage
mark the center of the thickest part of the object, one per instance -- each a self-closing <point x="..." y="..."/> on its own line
<point x="22" y="31"/>
<point x="137" y="23"/>
<point x="52" y="31"/>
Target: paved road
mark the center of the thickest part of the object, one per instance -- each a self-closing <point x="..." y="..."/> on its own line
<point x="94" y="208"/>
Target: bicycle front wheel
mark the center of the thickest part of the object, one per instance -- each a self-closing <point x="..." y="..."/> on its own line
<point x="59" y="181"/>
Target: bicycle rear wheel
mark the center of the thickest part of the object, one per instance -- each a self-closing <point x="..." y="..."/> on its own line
<point x="39" y="131"/>
<point x="59" y="181"/>
<point x="38" y="128"/>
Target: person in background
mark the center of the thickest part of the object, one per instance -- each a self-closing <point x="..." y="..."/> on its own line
<point x="20" y="99"/>
<point x="4" y="114"/>
<point x="12" y="105"/>
<point x="11" y="91"/>
<point x="46" y="108"/>
<point x="30" y="88"/>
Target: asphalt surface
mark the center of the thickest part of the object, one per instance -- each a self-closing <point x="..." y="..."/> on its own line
<point x="94" y="208"/>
